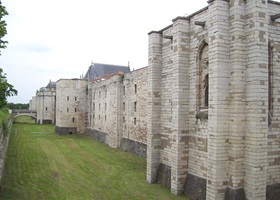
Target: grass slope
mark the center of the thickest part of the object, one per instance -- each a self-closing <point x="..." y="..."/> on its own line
<point x="42" y="165"/>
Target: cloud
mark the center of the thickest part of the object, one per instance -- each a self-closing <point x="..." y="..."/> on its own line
<point x="34" y="47"/>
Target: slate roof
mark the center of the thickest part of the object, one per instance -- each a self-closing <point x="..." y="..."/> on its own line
<point x="51" y="84"/>
<point x="97" y="70"/>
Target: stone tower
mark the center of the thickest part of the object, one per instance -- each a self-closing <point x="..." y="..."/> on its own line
<point x="213" y="129"/>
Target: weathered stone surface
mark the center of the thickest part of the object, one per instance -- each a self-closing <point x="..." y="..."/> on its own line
<point x="235" y="194"/>
<point x="65" y="130"/>
<point x="164" y="175"/>
<point x="97" y="135"/>
<point x="134" y="147"/>
<point x="195" y="187"/>
<point x="273" y="192"/>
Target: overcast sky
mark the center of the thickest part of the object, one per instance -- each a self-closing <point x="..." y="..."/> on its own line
<point x="54" y="39"/>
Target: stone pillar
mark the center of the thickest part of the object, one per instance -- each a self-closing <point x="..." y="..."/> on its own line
<point x="237" y="103"/>
<point x="218" y="99"/>
<point x="154" y="105"/>
<point x="256" y="99"/>
<point x="119" y="109"/>
<point x="180" y="94"/>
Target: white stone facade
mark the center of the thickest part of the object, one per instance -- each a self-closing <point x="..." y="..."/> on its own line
<point x="71" y="106"/>
<point x="44" y="104"/>
<point x="208" y="118"/>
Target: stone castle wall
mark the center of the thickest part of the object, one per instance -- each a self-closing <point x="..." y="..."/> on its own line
<point x="71" y="106"/>
<point x="117" y="111"/>
<point x="211" y="96"/>
<point x="45" y="107"/>
<point x="205" y="112"/>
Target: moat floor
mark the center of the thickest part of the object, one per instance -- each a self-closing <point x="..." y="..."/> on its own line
<point x="42" y="165"/>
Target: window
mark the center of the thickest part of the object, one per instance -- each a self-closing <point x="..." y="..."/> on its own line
<point x="123" y="90"/>
<point x="75" y="98"/>
<point x="68" y="98"/>
<point x="135" y="106"/>
<point x="105" y="106"/>
<point x="73" y="119"/>
<point x="206" y="88"/>
<point x="135" y="88"/>
<point x="67" y="109"/>
<point x="105" y="118"/>
<point x="123" y="106"/>
<point x="203" y="87"/>
<point x="270" y="83"/>
<point x="46" y="108"/>
<point x="123" y="119"/>
<point x="105" y="93"/>
<point x="134" y="120"/>
<point x="99" y="94"/>
<point x="99" y="106"/>
<point x="99" y="117"/>
<point x="75" y="109"/>
<point x="93" y="95"/>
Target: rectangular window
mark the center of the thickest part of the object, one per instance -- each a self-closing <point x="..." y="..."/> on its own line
<point x="99" y="94"/>
<point x="73" y="119"/>
<point x="75" y="109"/>
<point x="67" y="109"/>
<point x="123" y="90"/>
<point x="93" y="106"/>
<point x="123" y="119"/>
<point x="46" y="108"/>
<point x="135" y="88"/>
<point x="105" y="117"/>
<point x="75" y="98"/>
<point x="135" y="106"/>
<point x="94" y="95"/>
<point x="123" y="106"/>
<point x="99" y="106"/>
<point x="105" y="93"/>
<point x="134" y="120"/>
<point x="99" y="117"/>
<point x="68" y="98"/>
<point x="105" y="106"/>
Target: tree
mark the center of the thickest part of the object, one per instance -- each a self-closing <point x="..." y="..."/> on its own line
<point x="6" y="89"/>
<point x="3" y="29"/>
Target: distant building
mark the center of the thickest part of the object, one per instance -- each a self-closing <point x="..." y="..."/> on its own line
<point x="44" y="103"/>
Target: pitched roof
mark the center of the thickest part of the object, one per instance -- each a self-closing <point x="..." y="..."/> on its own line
<point x="97" y="70"/>
<point x="51" y="84"/>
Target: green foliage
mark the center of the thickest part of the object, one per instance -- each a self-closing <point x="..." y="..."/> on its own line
<point x="3" y="119"/>
<point x="43" y="165"/>
<point x="3" y="29"/>
<point x="6" y="89"/>
<point x="17" y="106"/>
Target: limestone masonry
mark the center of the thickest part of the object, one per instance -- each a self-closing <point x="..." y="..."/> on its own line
<point x="205" y="112"/>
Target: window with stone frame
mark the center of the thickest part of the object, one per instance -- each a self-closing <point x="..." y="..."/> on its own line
<point x="203" y="93"/>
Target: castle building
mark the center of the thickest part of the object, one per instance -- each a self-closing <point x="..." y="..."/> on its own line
<point x="44" y="104"/>
<point x="213" y="114"/>
<point x="205" y="112"/>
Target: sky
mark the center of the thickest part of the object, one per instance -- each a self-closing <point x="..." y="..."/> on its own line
<point x="54" y="39"/>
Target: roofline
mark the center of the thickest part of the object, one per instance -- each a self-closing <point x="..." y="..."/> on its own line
<point x="182" y="18"/>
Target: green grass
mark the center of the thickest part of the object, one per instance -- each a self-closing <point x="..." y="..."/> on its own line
<point x="3" y="114"/>
<point x="42" y="165"/>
